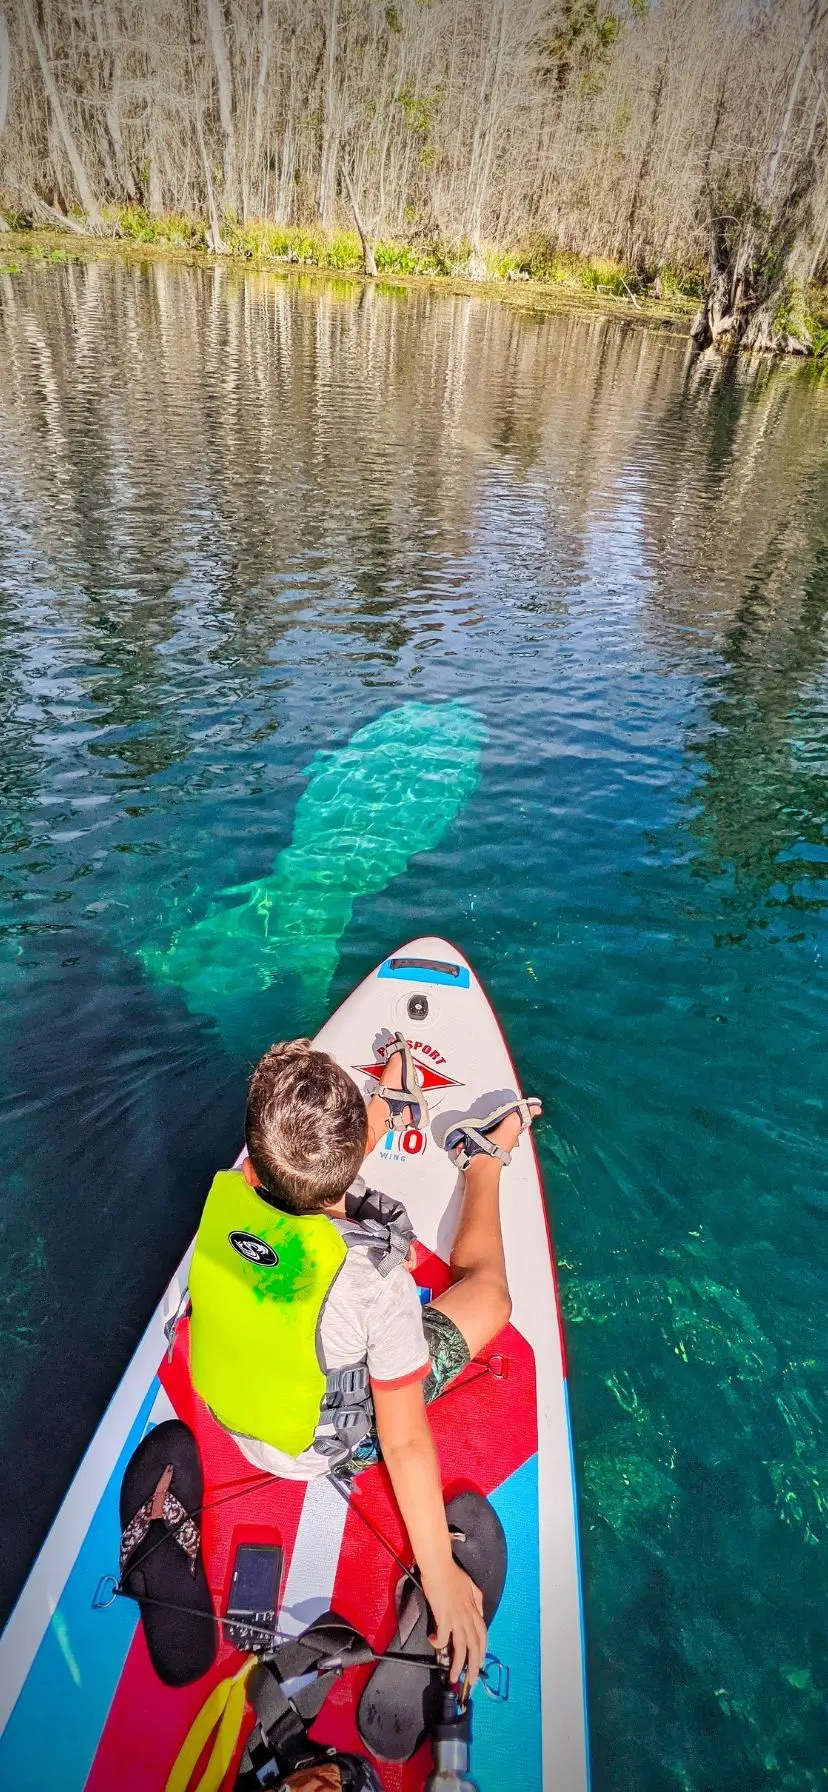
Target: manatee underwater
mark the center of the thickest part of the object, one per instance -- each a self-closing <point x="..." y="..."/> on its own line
<point x="370" y="806"/>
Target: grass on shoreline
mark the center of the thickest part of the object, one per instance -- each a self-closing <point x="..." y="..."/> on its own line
<point x="535" y="274"/>
<point x="340" y="251"/>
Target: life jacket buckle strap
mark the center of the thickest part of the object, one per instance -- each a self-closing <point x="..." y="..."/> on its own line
<point x="345" y="1385"/>
<point x="347" y="1412"/>
<point x="172" y="1324"/>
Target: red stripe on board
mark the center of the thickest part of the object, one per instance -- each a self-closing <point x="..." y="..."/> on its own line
<point x="484" y="1426"/>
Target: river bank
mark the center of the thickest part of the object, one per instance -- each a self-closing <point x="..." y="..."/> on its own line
<point x="572" y="283"/>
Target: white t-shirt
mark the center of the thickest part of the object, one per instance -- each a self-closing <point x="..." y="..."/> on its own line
<point x="367" y="1318"/>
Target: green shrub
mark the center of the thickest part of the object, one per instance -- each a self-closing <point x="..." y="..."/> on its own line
<point x="403" y="258"/>
<point x="175" y="229"/>
<point x="135" y="222"/>
<point x="501" y="264"/>
<point x="803" y="314"/>
<point x="812" y="312"/>
<point x="259" y="240"/>
<point x="543" y="261"/>
<point x="681" y="283"/>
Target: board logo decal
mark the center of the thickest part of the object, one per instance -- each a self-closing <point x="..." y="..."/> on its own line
<point x="252" y="1249"/>
<point x="402" y="1145"/>
<point x="427" y="1060"/>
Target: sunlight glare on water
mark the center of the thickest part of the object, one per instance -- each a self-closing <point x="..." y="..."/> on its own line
<point x="243" y="521"/>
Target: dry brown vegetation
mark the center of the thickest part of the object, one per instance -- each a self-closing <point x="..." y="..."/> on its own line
<point x="671" y="139"/>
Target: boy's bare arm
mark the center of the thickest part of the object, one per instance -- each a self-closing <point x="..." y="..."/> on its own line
<point x="411" y="1459"/>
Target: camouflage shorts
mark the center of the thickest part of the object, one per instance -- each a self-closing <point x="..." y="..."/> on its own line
<point x="448" y="1354"/>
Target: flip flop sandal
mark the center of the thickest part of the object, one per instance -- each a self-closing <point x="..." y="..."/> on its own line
<point x="410" y="1096"/>
<point x="161" y="1564"/>
<point x="471" y="1134"/>
<point x="401" y="1703"/>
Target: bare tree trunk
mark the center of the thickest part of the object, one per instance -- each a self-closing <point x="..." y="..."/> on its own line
<point x="5" y="79"/>
<point x="379" y="219"/>
<point x="483" y="144"/>
<point x="5" y="70"/>
<point x="287" y="158"/>
<point x="330" y="127"/>
<point x="50" y="215"/>
<point x="644" y="165"/>
<point x="768" y="186"/>
<point x="819" y="252"/>
<point x="261" y="85"/>
<point x="221" y="58"/>
<point x="113" y="125"/>
<point x="215" y="241"/>
<point x="155" y="190"/>
<point x="84" y="189"/>
<point x="368" y="261"/>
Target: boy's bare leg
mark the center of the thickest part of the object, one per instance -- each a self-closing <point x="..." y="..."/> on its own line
<point x="479" y="1301"/>
<point x="391" y="1078"/>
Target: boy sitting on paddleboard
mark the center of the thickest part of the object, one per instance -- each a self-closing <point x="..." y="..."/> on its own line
<point x="308" y="1338"/>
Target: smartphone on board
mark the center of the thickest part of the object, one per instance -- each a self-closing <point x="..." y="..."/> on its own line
<point x="253" y="1599"/>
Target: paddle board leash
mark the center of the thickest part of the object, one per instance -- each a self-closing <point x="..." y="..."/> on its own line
<point x="494" y="1675"/>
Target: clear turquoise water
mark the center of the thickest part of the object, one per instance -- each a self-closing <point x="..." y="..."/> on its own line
<point x="241" y="521"/>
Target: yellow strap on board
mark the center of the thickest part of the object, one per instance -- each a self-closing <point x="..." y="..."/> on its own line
<point x="222" y="1711"/>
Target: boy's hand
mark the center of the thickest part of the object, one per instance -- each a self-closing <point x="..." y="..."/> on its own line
<point x="457" y="1605"/>
<point x="411" y="1460"/>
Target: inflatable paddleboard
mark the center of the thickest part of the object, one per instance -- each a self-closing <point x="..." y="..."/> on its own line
<point x="80" y="1706"/>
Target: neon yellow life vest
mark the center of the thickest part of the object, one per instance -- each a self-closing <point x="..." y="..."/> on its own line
<point x="258" y="1282"/>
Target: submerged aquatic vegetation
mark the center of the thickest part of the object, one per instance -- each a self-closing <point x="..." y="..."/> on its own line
<point x="628" y="1476"/>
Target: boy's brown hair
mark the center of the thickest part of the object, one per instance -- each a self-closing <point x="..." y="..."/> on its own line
<point x="306" y="1127"/>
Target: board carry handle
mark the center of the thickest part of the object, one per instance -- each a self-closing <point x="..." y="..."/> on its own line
<point x="424" y="964"/>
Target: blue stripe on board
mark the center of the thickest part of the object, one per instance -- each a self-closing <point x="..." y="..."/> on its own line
<point x="457" y="978"/>
<point x="580" y="1581"/>
<point x="506" y="1739"/>
<point x="54" y="1729"/>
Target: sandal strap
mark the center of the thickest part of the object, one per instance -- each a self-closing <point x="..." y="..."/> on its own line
<point x="475" y="1132"/>
<point x="397" y="1101"/>
<point x="163" y="1505"/>
<point x="410" y="1095"/>
<point x="400" y="1044"/>
<point x="483" y="1146"/>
